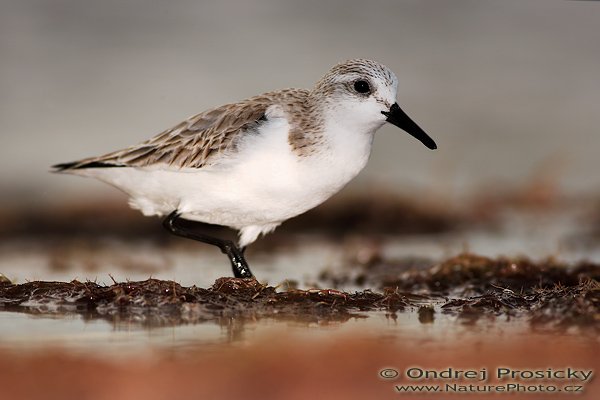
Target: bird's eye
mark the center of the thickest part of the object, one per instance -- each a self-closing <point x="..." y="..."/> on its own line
<point x="362" y="86"/>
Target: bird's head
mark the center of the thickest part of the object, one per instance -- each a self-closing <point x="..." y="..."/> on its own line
<point x="361" y="94"/>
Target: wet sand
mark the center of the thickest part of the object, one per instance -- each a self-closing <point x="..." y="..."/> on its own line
<point x="284" y="366"/>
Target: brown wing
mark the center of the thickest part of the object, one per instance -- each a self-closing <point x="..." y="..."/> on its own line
<point x="190" y="144"/>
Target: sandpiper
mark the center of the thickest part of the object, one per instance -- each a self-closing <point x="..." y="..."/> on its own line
<point x="253" y="164"/>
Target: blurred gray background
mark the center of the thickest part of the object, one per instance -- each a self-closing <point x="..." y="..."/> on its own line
<point x="510" y="90"/>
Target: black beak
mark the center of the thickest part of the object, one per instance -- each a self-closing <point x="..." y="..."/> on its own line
<point x="399" y="118"/>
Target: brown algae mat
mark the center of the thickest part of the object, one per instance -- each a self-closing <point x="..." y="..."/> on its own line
<point x="228" y="297"/>
<point x="470" y="286"/>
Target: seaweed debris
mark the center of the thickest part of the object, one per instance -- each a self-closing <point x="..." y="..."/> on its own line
<point x="467" y="273"/>
<point x="154" y="300"/>
<point x="556" y="307"/>
<point x="549" y="294"/>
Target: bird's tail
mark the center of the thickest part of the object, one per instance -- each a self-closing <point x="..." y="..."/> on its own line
<point x="83" y="164"/>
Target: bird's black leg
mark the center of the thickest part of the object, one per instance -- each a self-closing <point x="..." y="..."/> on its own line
<point x="238" y="262"/>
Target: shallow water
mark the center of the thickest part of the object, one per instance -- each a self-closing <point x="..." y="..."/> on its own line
<point x="340" y="355"/>
<point x="301" y="263"/>
<point x="537" y="236"/>
<point x="114" y="337"/>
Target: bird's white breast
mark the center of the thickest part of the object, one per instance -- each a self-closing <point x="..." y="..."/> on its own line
<point x="268" y="182"/>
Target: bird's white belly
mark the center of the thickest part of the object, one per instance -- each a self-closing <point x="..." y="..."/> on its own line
<point x="269" y="187"/>
<point x="262" y="184"/>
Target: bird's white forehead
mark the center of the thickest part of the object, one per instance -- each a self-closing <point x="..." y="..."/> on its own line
<point x="361" y="68"/>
